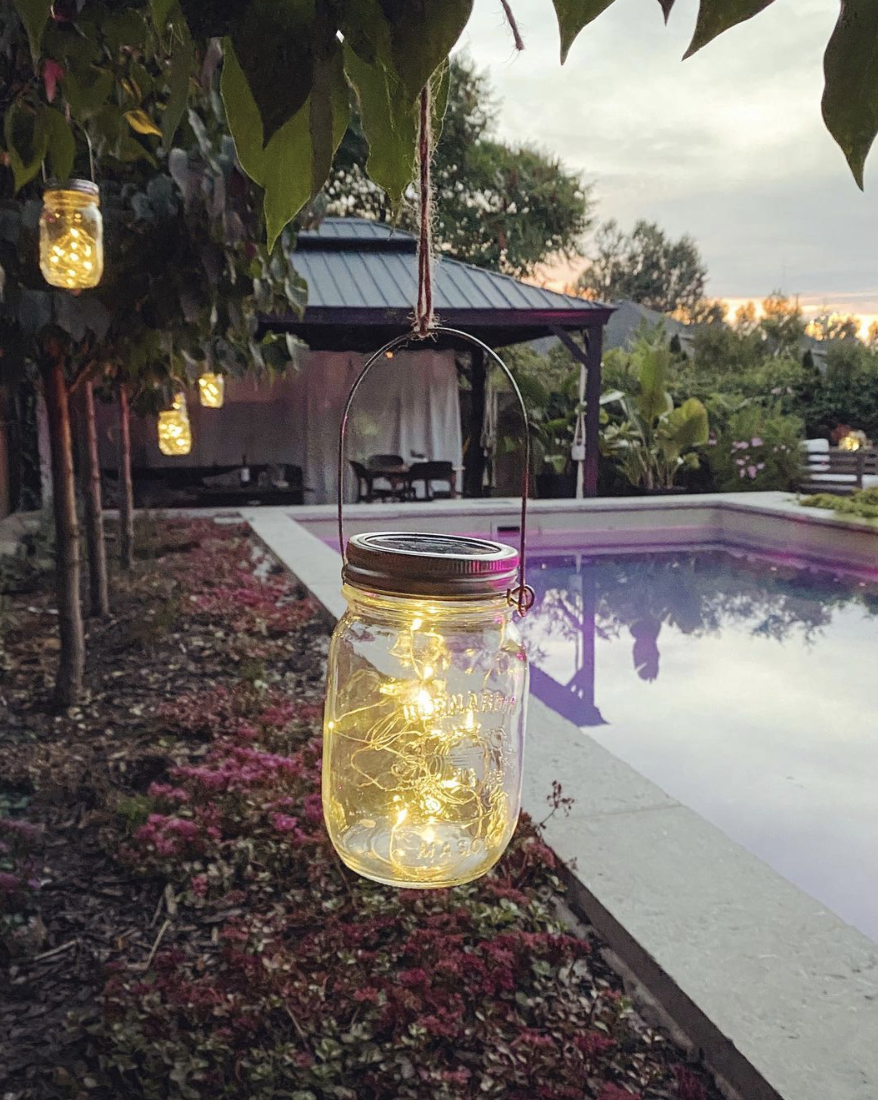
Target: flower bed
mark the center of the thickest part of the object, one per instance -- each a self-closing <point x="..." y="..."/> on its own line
<point x="267" y="969"/>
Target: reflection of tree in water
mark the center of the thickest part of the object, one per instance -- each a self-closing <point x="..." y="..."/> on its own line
<point x="698" y="593"/>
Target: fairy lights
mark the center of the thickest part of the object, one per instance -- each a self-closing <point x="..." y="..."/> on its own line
<point x="72" y="236"/>
<point x="174" y="429"/>
<point x="211" y="390"/>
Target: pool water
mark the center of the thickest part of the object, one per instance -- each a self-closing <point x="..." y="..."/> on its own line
<point x="745" y="688"/>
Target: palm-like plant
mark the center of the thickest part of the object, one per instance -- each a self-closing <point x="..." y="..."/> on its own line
<point x="656" y="439"/>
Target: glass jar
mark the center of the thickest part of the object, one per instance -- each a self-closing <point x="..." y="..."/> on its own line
<point x="72" y="235"/>
<point x="174" y="429"/>
<point x="211" y="390"/>
<point x="425" y="710"/>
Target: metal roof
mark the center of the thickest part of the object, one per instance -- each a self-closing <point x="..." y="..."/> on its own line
<point x="362" y="283"/>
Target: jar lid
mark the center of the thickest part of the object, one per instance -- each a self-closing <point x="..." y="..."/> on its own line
<point x="452" y="567"/>
<point x="85" y="187"/>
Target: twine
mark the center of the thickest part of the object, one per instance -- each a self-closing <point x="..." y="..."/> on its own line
<point x="513" y="26"/>
<point x="425" y="318"/>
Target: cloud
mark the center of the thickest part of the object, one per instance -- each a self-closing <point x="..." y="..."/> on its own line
<point x="728" y="146"/>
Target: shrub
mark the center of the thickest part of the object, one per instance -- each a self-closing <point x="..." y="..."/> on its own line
<point x="758" y="450"/>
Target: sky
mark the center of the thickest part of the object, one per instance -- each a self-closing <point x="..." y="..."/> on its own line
<point x="729" y="146"/>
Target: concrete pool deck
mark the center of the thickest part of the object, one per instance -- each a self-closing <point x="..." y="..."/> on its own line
<point x="779" y="992"/>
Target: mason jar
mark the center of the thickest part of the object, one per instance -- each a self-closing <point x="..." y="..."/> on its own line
<point x="425" y="710"/>
<point x="72" y="235"/>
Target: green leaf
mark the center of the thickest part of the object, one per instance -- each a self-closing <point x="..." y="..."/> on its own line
<point x="274" y="46"/>
<point x="666" y="8"/>
<point x="243" y="115"/>
<point x="141" y="123"/>
<point x="161" y="10"/>
<point x="88" y="91"/>
<point x="283" y="166"/>
<point x="26" y="142"/>
<point x="422" y="35"/>
<point x="178" y="80"/>
<point x="573" y="15"/>
<point x="61" y="144"/>
<point x="653" y="401"/>
<point x="850" y="100"/>
<point x="716" y="16"/>
<point x="34" y="14"/>
<point x="687" y="426"/>
<point x="327" y="72"/>
<point x="390" y="126"/>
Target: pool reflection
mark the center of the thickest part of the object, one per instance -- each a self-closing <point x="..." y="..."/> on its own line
<point x="743" y="687"/>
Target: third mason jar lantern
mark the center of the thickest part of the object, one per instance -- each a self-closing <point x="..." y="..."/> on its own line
<point x="426" y="698"/>
<point x="174" y="429"/>
<point x="72" y="235"/>
<point x="211" y="390"/>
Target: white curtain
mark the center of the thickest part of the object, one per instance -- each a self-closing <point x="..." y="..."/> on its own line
<point x="408" y="406"/>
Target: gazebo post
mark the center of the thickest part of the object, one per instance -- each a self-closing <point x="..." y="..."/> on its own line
<point x="590" y="358"/>
<point x="474" y="459"/>
<point x="594" y="342"/>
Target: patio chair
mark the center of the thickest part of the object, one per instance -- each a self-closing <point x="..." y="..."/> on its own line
<point x="365" y="487"/>
<point x="428" y="472"/>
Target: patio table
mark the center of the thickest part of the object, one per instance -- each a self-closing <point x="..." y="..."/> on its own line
<point x="397" y="475"/>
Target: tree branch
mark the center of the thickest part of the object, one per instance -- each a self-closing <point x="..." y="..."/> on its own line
<point x="513" y="26"/>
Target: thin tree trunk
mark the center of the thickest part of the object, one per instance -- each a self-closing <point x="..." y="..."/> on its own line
<point x="98" y="587"/>
<point x="71" y="665"/>
<point x="126" y="486"/>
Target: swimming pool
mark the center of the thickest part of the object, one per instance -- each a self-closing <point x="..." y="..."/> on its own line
<point x="745" y="688"/>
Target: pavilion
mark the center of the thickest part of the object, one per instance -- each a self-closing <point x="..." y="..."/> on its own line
<point x="362" y="282"/>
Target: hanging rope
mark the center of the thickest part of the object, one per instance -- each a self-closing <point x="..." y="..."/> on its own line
<point x="513" y="26"/>
<point x="425" y="318"/>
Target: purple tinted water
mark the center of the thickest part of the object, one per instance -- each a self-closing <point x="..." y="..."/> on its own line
<point x="745" y="689"/>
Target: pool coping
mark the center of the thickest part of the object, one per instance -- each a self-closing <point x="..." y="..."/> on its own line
<point x="780" y="994"/>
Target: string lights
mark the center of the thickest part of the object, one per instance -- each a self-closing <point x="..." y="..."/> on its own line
<point x="72" y="235"/>
<point x="174" y="429"/>
<point x="211" y="390"/>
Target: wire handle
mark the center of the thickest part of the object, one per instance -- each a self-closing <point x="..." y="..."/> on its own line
<point x="522" y="596"/>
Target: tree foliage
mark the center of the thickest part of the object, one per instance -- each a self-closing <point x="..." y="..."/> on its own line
<point x="496" y="205"/>
<point x="294" y="68"/>
<point x="647" y="267"/>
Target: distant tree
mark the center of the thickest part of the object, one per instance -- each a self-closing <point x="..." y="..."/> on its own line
<point x="835" y="326"/>
<point x="645" y="266"/>
<point x="782" y="323"/>
<point x="507" y="207"/>
<point x="746" y="318"/>
<point x="872" y="337"/>
<point x="707" y="311"/>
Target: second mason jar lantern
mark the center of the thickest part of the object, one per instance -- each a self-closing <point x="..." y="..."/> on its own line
<point x="426" y="700"/>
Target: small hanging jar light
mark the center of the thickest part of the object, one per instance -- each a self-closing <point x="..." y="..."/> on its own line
<point x="174" y="429"/>
<point x="426" y="698"/>
<point x="72" y="235"/>
<point x="211" y="390"/>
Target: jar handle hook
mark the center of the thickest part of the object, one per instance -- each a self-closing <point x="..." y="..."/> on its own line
<point x="522" y="596"/>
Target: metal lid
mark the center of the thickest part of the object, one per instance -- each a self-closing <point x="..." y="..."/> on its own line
<point x="413" y="564"/>
<point x="86" y="187"/>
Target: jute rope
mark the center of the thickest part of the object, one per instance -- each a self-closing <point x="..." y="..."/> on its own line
<point x="425" y="317"/>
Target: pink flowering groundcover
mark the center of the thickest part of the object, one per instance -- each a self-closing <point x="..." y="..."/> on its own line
<point x="175" y="925"/>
